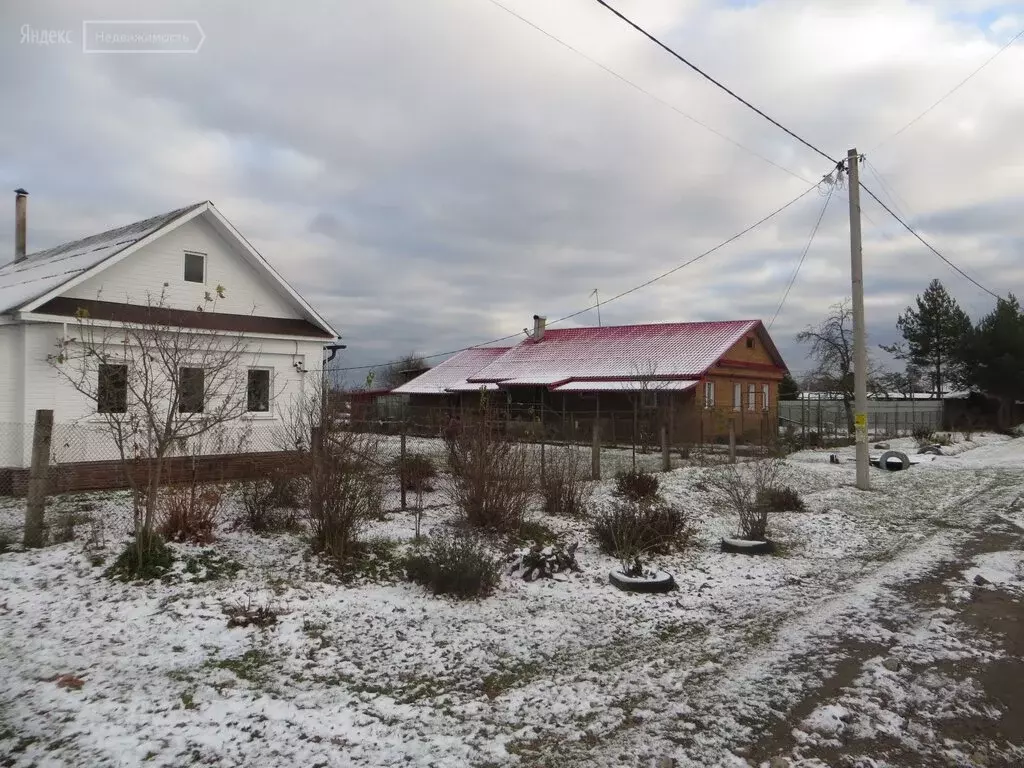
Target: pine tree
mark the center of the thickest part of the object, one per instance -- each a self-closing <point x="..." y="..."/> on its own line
<point x="934" y="331"/>
<point x="788" y="388"/>
<point x="992" y="356"/>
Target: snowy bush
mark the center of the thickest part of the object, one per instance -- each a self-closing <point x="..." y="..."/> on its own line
<point x="564" y="487"/>
<point x="748" y="493"/>
<point x="628" y="529"/>
<point x="923" y="436"/>
<point x="537" y="562"/>
<point x="637" y="485"/>
<point x="190" y="512"/>
<point x="454" y="563"/>
<point x="491" y="479"/>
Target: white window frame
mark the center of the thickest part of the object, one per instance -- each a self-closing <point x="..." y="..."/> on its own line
<point x="737" y="397"/>
<point x="752" y="397"/>
<point x="269" y="413"/>
<point x="766" y="394"/>
<point x="184" y="261"/>
<point x="709" y="394"/>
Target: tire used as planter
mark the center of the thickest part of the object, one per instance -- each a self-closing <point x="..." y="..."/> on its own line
<point x="658" y="582"/>
<point x="934" y="450"/>
<point x="747" y="547"/>
<point x="884" y="463"/>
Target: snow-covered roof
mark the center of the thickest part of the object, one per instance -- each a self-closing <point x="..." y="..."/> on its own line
<point x="43" y="271"/>
<point x="625" y="351"/>
<point x="451" y="375"/>
<point x="627" y="385"/>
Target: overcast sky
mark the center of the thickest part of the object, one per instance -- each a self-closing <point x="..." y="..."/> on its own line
<point x="431" y="173"/>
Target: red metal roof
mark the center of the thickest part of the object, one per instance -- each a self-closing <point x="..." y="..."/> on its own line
<point x="661" y="350"/>
<point x="451" y="375"/>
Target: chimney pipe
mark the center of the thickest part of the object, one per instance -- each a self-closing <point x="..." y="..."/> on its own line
<point x="539" y="323"/>
<point x="20" y="224"/>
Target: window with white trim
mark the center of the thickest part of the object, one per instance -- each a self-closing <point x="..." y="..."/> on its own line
<point x="195" y="267"/>
<point x="766" y="392"/>
<point x="257" y="391"/>
<point x="709" y="394"/>
<point x="112" y="388"/>
<point x="737" y="396"/>
<point x="752" y="397"/>
<point x="191" y="388"/>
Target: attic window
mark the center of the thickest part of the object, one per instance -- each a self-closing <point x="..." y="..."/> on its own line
<point x="195" y="267"/>
<point x="750" y="342"/>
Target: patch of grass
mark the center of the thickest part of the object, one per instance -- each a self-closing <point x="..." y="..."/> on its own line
<point x="152" y="562"/>
<point x="496" y="683"/>
<point x="250" y="666"/>
<point x="209" y="565"/>
<point x="188" y="700"/>
<point x="374" y="559"/>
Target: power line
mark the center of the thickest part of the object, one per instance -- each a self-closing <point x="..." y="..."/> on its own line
<point x="949" y="93"/>
<point x="650" y="95"/>
<point x="803" y="256"/>
<point x="634" y="289"/>
<point x="929" y="246"/>
<point x="887" y="188"/>
<point x="709" y="78"/>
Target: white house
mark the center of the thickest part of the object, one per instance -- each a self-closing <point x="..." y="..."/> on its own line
<point x="183" y="255"/>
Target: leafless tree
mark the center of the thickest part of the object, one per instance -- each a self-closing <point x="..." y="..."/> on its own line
<point x="831" y="349"/>
<point x="160" y="389"/>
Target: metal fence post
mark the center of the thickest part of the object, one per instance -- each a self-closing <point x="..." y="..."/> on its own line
<point x="732" y="440"/>
<point x="595" y="449"/>
<point x="402" y="481"/>
<point x="35" y="506"/>
<point x="666" y="457"/>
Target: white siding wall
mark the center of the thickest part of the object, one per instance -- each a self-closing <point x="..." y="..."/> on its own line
<point x="80" y="436"/>
<point x="145" y="272"/>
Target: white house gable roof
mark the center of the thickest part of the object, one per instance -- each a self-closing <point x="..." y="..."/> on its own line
<point x="43" y="271"/>
<point x="44" y="275"/>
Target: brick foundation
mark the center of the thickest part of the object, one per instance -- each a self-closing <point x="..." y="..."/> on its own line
<point x="109" y="475"/>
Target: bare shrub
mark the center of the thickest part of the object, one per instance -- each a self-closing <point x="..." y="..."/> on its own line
<point x="346" y="490"/>
<point x="781" y="499"/>
<point x="628" y="529"/>
<point x="564" y="488"/>
<point x="417" y="473"/>
<point x="455" y="563"/>
<point x="491" y="476"/>
<point x="747" y="493"/>
<point x="637" y="485"/>
<point x="270" y="504"/>
<point x="190" y="512"/>
<point x="923" y="435"/>
<point x="245" y="613"/>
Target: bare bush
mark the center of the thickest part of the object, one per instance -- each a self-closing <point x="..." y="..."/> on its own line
<point x="190" y="512"/>
<point x="417" y="472"/>
<point x="923" y="435"/>
<point x="747" y="493"/>
<point x="270" y="504"/>
<point x="246" y="613"/>
<point x="781" y="499"/>
<point x="565" y="488"/>
<point x="637" y="485"/>
<point x="629" y="529"/>
<point x="346" y="490"/>
<point x="491" y="477"/>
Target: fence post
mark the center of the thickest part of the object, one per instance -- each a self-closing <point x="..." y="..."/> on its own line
<point x="732" y="440"/>
<point x="35" y="506"/>
<point x="666" y="457"/>
<point x="595" y="451"/>
<point x="401" y="464"/>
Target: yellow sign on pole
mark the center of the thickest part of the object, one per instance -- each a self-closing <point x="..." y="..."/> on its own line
<point x="861" y="420"/>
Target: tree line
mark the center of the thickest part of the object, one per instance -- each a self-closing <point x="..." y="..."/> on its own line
<point x="942" y="351"/>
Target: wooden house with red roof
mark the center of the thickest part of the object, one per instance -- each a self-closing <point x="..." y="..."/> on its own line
<point x="695" y="378"/>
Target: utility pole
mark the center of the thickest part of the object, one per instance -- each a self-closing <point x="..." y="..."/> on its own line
<point x="860" y="348"/>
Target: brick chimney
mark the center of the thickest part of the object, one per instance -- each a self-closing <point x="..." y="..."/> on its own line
<point x="20" y="224"/>
<point x="539" y="323"/>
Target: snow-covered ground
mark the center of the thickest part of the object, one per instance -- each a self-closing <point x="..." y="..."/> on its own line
<point x="560" y="673"/>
